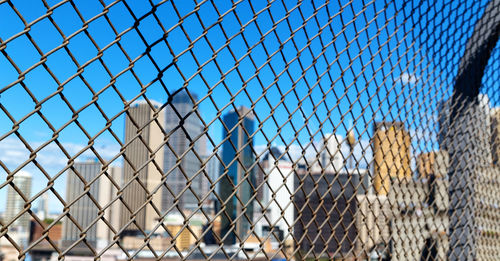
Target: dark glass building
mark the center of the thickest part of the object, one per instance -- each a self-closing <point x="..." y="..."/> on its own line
<point x="237" y="184"/>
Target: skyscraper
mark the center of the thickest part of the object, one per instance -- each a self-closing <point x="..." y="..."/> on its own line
<point x="184" y="126"/>
<point x="144" y="152"/>
<point x="15" y="203"/>
<point x="238" y="176"/>
<point x="212" y="169"/>
<point x="391" y="152"/>
<point x="83" y="210"/>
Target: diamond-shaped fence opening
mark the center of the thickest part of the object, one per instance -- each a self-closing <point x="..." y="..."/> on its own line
<point x="249" y="130"/>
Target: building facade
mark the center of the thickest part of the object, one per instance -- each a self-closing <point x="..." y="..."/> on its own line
<point x="83" y="211"/>
<point x="432" y="163"/>
<point x="372" y="223"/>
<point x="184" y="127"/>
<point x="277" y="179"/>
<point x="237" y="183"/>
<point x="107" y="195"/>
<point x="471" y="163"/>
<point x="213" y="170"/>
<point x="331" y="158"/>
<point x="19" y="230"/>
<point x="143" y="133"/>
<point x="326" y="214"/>
<point x="391" y="155"/>
<point x="15" y="203"/>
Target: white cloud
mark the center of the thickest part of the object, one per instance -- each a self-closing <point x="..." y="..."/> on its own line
<point x="408" y="78"/>
<point x="13" y="153"/>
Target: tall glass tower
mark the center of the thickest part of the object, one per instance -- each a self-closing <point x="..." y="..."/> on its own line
<point x="237" y="185"/>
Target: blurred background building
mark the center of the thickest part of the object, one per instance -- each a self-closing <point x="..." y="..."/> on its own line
<point x="83" y="211"/>
<point x="391" y="155"/>
<point x="137" y="166"/>
<point x="16" y="201"/>
<point x="184" y="126"/>
<point x="236" y="188"/>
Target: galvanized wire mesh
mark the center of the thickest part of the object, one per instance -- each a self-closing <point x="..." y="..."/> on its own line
<point x="308" y="130"/>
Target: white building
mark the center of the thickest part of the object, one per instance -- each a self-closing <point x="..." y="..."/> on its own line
<point x="15" y="203"/>
<point x="331" y="158"/>
<point x="277" y="195"/>
<point x="42" y="210"/>
<point x="19" y="229"/>
<point x="85" y="211"/>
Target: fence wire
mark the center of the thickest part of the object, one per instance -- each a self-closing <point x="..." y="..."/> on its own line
<point x="249" y="130"/>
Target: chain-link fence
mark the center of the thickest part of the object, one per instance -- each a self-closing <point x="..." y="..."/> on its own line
<point x="217" y="130"/>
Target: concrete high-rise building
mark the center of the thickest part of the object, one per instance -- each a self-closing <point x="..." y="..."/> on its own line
<point x="238" y="174"/>
<point x="480" y="113"/>
<point x="143" y="133"/>
<point x="495" y="135"/>
<point x="391" y="153"/>
<point x="487" y="218"/>
<point x="184" y="126"/>
<point x="19" y="230"/>
<point x="15" y="203"/>
<point x="409" y="223"/>
<point x="418" y="229"/>
<point x="83" y="211"/>
<point x="107" y="193"/>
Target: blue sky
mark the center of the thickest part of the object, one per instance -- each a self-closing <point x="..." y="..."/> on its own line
<point x="397" y="46"/>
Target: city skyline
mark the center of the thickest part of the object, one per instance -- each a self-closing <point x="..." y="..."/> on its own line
<point x="307" y="90"/>
<point x="388" y="135"/>
<point x="249" y="130"/>
<point x="362" y="154"/>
